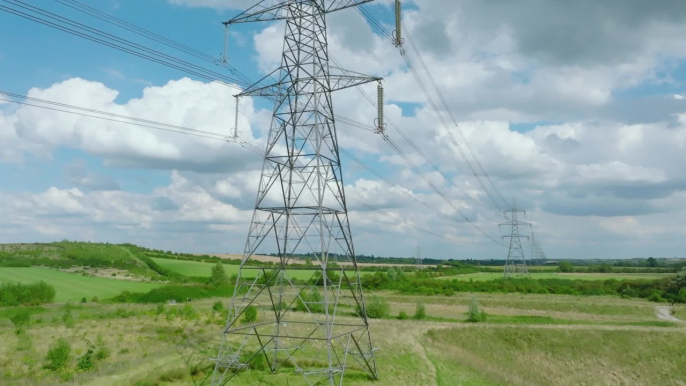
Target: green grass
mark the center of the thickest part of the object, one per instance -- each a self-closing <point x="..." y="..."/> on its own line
<point x="202" y="269"/>
<point x="485" y="276"/>
<point x="73" y="287"/>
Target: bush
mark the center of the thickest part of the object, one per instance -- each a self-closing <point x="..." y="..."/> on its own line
<point x="656" y="297"/>
<point x="402" y="315"/>
<point x="95" y="299"/>
<point x="21" y="318"/>
<point x="250" y="314"/>
<point x="26" y="294"/>
<point x="85" y="362"/>
<point x="475" y="315"/>
<point x="311" y="300"/>
<point x="83" y="300"/>
<point x="58" y="355"/>
<point x="420" y="311"/>
<point x="188" y="312"/>
<point x="218" y="306"/>
<point x="68" y="318"/>
<point x="377" y="307"/>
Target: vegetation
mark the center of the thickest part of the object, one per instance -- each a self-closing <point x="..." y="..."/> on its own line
<point x="218" y="275"/>
<point x="420" y="311"/>
<point x="250" y="314"/>
<point x="475" y="314"/>
<point x="58" y="355"/>
<point x="26" y="294"/>
<point x="377" y="307"/>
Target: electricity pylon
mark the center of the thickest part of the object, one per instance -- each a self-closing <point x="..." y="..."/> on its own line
<point x="515" y="265"/>
<point x="317" y="326"/>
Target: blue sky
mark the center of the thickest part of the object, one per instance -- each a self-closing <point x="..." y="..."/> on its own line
<point x="589" y="139"/>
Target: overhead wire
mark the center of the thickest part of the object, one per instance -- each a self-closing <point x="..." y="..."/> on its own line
<point x="146" y="123"/>
<point x="381" y="29"/>
<point x="130" y="47"/>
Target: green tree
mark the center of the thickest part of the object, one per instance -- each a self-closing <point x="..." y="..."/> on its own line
<point x="652" y="262"/>
<point x="21" y="319"/>
<point x="218" y="275"/>
<point x="566" y="266"/>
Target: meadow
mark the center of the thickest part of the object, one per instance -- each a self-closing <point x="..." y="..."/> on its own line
<point x="71" y="286"/>
<point x="575" y="340"/>
<point x="202" y="269"/>
<point x="486" y="276"/>
<point x="143" y="339"/>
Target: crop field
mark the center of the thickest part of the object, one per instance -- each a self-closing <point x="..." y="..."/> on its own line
<point x="572" y="340"/>
<point x="70" y="286"/>
<point x="484" y="276"/>
<point x="202" y="269"/>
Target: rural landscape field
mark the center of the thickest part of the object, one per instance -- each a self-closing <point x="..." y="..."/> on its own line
<point x="342" y="193"/>
<point x="134" y="316"/>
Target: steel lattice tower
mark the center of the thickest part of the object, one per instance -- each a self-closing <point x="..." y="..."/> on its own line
<point x="515" y="265"/>
<point x="300" y="210"/>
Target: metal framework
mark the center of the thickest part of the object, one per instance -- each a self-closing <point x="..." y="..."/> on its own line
<point x="515" y="265"/>
<point x="317" y="326"/>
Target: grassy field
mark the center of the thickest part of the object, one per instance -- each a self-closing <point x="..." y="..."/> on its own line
<point x="202" y="269"/>
<point x="73" y="287"/>
<point x="564" y="340"/>
<point x="484" y="276"/>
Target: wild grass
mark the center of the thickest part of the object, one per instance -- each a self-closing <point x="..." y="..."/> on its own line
<point x="505" y="355"/>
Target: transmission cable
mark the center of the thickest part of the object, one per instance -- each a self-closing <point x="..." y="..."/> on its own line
<point x="188" y="131"/>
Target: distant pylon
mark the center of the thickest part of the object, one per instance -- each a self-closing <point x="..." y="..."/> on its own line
<point x="418" y="260"/>
<point x="515" y="265"/>
<point x="278" y="319"/>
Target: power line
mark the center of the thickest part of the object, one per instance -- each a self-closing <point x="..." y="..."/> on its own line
<point x="146" y="123"/>
<point x="433" y="104"/>
<point x="95" y="35"/>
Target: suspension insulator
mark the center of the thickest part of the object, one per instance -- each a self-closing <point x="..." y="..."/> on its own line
<point x="398" y="24"/>
<point x="380" y="125"/>
<point x="225" y="57"/>
<point x="236" y="133"/>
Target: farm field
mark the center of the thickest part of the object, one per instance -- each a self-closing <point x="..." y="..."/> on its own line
<point x="70" y="286"/>
<point x="484" y="276"/>
<point x="202" y="269"/>
<point x="605" y="340"/>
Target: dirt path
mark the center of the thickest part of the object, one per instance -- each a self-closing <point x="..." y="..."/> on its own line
<point x="663" y="313"/>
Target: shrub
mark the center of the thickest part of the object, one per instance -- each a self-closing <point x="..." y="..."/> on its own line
<point x="83" y="300"/>
<point x="420" y="311"/>
<point x="188" y="312"/>
<point x="26" y="294"/>
<point x="377" y="307"/>
<point x="475" y="314"/>
<point x="68" y="318"/>
<point x="159" y="310"/>
<point x="402" y="315"/>
<point x="95" y="299"/>
<point x="218" y="306"/>
<point x="21" y="318"/>
<point x="311" y="300"/>
<point x="58" y="355"/>
<point x="103" y="352"/>
<point x="85" y="361"/>
<point x="250" y="314"/>
<point x="655" y="296"/>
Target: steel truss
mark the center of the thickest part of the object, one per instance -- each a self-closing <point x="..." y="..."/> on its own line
<point x="515" y="265"/>
<point x="300" y="210"/>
